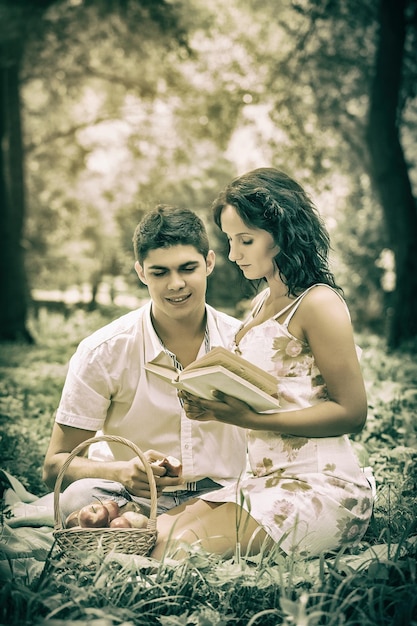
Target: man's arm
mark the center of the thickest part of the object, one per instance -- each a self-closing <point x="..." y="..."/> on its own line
<point x="131" y="473"/>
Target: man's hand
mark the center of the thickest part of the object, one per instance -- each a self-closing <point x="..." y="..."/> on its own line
<point x="134" y="478"/>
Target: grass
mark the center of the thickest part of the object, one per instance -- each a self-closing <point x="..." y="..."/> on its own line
<point x="374" y="585"/>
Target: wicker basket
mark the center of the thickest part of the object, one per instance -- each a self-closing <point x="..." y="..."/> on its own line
<point x="71" y="541"/>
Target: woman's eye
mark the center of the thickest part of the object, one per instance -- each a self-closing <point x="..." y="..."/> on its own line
<point x="248" y="242"/>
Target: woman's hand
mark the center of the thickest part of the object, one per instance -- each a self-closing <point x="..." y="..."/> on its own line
<point x="224" y="409"/>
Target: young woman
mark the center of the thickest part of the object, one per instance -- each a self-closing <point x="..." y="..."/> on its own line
<point x="305" y="490"/>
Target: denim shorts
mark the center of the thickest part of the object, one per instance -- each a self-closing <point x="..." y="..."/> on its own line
<point x="87" y="490"/>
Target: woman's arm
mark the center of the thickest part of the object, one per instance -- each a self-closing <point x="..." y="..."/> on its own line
<point x="323" y="321"/>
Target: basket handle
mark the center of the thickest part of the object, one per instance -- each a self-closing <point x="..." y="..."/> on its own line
<point x="85" y="444"/>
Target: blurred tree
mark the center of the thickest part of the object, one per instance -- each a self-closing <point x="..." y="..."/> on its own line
<point x="24" y="22"/>
<point x="16" y="20"/>
<point x="325" y="68"/>
<point x="354" y="65"/>
<point x="121" y="114"/>
<point x="123" y="132"/>
<point x="394" y="82"/>
<point x="285" y="102"/>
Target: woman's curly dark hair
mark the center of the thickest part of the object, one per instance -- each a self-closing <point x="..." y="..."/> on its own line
<point x="269" y="199"/>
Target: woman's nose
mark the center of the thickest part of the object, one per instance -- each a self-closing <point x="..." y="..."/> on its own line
<point x="234" y="254"/>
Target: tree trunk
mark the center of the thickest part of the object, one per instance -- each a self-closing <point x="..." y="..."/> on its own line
<point x="389" y="171"/>
<point x="14" y="292"/>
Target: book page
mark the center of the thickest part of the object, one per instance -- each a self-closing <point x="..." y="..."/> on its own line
<point x="240" y="366"/>
<point x="202" y="381"/>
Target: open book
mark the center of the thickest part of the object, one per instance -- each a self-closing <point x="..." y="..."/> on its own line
<point x="227" y="372"/>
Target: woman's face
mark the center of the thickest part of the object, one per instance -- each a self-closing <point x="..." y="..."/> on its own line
<point x="252" y="249"/>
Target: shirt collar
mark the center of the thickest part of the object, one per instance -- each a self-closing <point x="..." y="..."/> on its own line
<point x="215" y="337"/>
<point x="153" y="346"/>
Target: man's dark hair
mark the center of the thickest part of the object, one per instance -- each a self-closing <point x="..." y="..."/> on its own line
<point x="167" y="226"/>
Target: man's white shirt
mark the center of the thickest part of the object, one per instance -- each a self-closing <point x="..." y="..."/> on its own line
<point x="107" y="390"/>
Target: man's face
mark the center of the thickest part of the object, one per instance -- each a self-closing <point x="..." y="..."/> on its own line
<point x="176" y="278"/>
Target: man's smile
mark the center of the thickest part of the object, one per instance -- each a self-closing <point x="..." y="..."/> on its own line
<point x="178" y="299"/>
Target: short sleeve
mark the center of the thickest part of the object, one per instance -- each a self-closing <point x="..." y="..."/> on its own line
<point x="87" y="391"/>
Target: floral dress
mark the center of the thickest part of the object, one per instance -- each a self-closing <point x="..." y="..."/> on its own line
<point x="309" y="494"/>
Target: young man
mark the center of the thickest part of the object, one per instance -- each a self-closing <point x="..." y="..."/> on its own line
<point x="108" y="390"/>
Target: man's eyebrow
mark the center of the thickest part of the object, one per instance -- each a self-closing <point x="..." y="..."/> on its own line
<point x="164" y="267"/>
<point x="158" y="267"/>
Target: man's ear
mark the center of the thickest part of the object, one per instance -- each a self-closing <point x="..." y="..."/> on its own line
<point x="210" y="262"/>
<point x="140" y="272"/>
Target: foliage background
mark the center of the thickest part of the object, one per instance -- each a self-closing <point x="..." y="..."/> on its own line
<point x="127" y="103"/>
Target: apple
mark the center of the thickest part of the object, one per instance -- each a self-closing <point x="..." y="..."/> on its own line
<point x="131" y="506"/>
<point x="120" y="522"/>
<point x="93" y="516"/>
<point x="172" y="465"/>
<point x="72" y="519"/>
<point x="136" y="520"/>
<point x="112" y="507"/>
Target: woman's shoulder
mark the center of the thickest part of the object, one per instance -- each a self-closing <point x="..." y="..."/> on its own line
<point x="322" y="291"/>
<point x="321" y="299"/>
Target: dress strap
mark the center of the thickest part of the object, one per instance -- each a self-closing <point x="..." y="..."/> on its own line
<point x="298" y="301"/>
<point x="287" y="307"/>
<point x="260" y="302"/>
<point x="257" y="303"/>
<point x="293" y="306"/>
